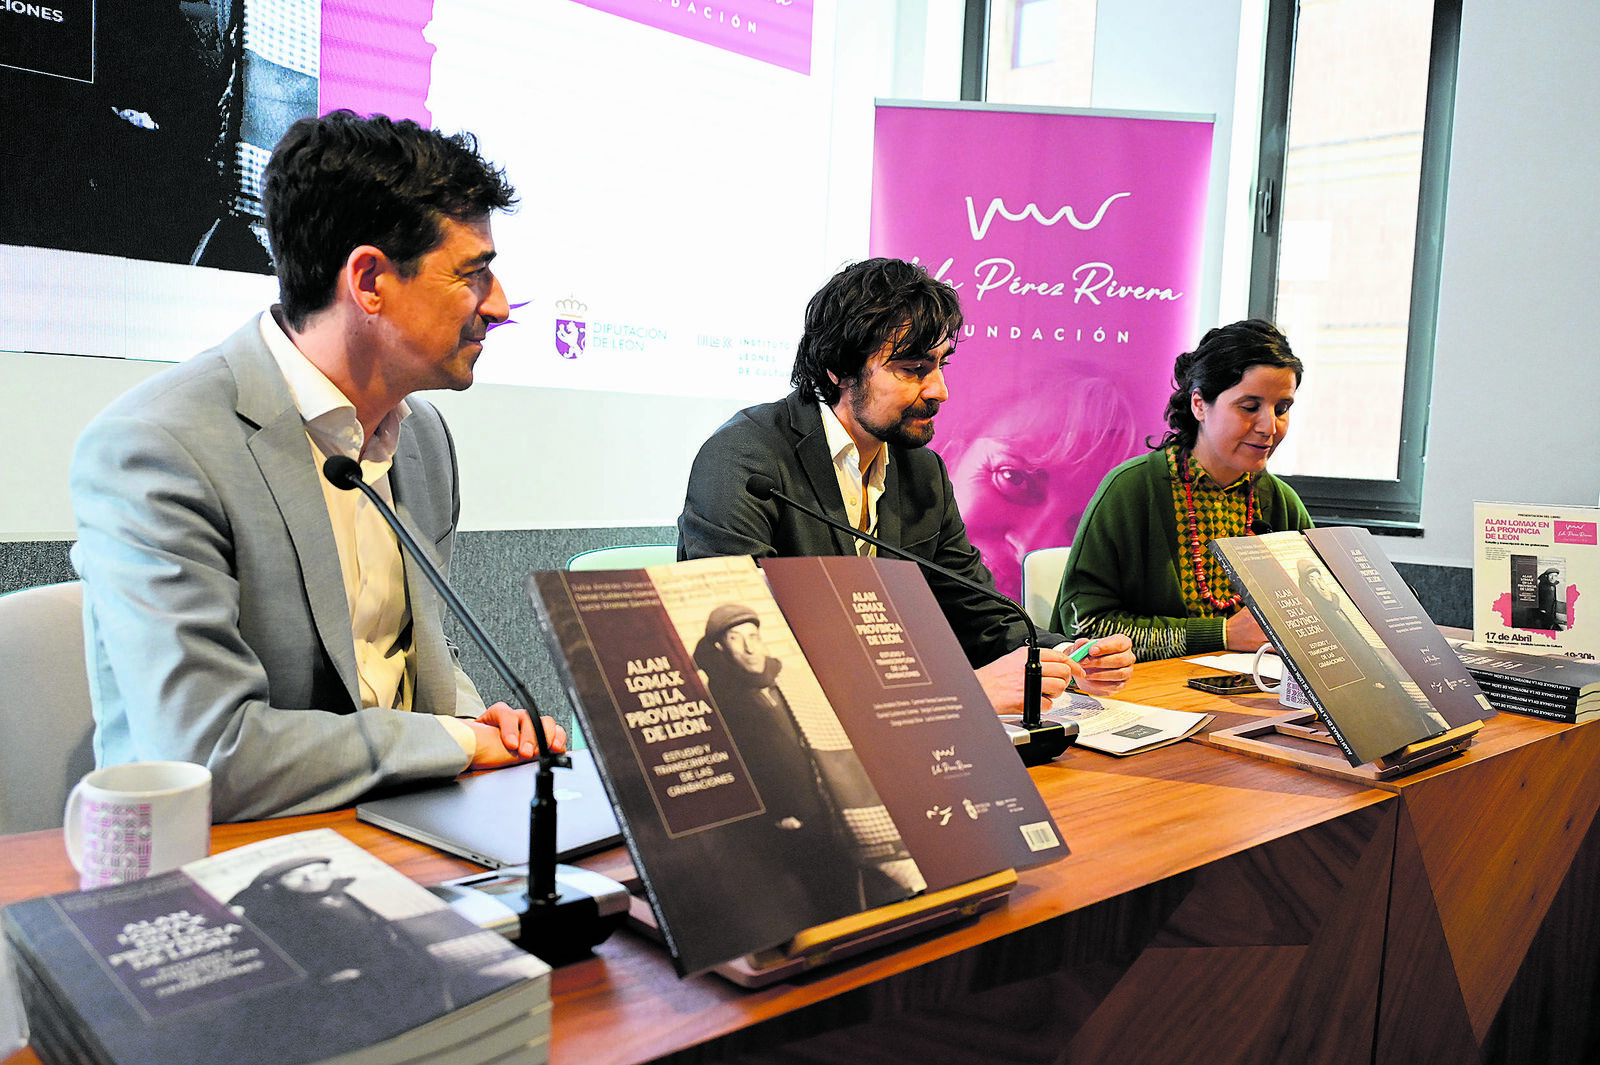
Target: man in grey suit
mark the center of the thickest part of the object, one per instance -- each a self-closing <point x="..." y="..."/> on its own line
<point x="849" y="441"/>
<point x="242" y="613"/>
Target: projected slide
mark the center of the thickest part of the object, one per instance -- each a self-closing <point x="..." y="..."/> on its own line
<point x="672" y="160"/>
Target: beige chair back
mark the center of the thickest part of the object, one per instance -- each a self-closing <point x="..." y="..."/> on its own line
<point x="1041" y="580"/>
<point x="44" y="704"/>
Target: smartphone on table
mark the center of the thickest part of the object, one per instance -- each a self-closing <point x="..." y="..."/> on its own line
<point x="1225" y="684"/>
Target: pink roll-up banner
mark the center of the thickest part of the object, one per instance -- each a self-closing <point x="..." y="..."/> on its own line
<point x="1075" y="241"/>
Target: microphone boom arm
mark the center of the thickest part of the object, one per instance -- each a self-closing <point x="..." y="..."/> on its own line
<point x="344" y="472"/>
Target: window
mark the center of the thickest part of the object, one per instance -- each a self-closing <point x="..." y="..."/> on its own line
<point x="1356" y="111"/>
<point x="1037" y="51"/>
<point x="1356" y="120"/>
<point x="1034" y="40"/>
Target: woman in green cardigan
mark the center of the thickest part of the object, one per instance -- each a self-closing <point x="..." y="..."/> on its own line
<point x="1139" y="563"/>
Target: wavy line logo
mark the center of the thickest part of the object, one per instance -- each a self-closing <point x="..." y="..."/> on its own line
<point x="997" y="206"/>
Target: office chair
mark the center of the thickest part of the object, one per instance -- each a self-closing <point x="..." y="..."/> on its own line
<point x="1042" y="569"/>
<point x="44" y="704"/>
<point x="627" y="556"/>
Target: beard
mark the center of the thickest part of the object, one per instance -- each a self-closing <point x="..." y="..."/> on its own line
<point x="897" y="431"/>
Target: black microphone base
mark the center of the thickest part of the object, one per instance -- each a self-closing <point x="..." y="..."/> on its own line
<point x="583" y="915"/>
<point x="1041" y="743"/>
<point x="587" y="908"/>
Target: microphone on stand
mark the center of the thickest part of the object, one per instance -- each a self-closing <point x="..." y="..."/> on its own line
<point x="568" y="910"/>
<point x="1043" y="741"/>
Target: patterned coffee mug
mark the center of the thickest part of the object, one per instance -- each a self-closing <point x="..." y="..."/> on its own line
<point x="1288" y="690"/>
<point x="127" y="822"/>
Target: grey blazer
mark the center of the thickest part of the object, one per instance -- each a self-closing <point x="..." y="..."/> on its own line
<point x="216" y="624"/>
<point x="917" y="513"/>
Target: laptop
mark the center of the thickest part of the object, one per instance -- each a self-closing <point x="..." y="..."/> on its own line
<point x="484" y="817"/>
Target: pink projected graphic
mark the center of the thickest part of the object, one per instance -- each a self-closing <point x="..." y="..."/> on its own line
<point x="1503" y="607"/>
<point x="773" y="31"/>
<point x="375" y="59"/>
<point x="1075" y="242"/>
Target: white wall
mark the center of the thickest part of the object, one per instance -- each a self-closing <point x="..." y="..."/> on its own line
<point x="531" y="458"/>
<point x="1516" y="389"/>
<point x="45" y="401"/>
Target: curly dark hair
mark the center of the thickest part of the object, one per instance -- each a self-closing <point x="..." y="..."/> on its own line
<point x="860" y="309"/>
<point x="340" y="181"/>
<point x="1218" y="363"/>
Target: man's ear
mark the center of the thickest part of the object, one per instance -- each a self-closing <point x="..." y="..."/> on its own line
<point x="363" y="268"/>
<point x="847" y="383"/>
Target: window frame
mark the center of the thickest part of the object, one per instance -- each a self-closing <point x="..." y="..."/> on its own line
<point x="975" y="50"/>
<point x="1391" y="506"/>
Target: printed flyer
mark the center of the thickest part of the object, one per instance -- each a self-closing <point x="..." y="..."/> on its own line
<point x="1534" y="578"/>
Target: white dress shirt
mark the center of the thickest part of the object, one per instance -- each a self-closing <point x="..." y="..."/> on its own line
<point x="369" y="554"/>
<point x="855" y="487"/>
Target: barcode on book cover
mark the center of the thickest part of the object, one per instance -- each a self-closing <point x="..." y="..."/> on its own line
<point x="1040" y="836"/>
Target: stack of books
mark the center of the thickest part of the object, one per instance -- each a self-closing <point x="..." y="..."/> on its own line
<point x="1550" y="686"/>
<point x="296" y="950"/>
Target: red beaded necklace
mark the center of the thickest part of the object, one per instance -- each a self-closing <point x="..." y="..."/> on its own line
<point x="1197" y="552"/>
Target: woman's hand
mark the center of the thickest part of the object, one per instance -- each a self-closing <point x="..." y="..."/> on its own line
<point x="1242" y="632"/>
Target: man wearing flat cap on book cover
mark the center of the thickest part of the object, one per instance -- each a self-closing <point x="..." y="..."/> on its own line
<point x="823" y="837"/>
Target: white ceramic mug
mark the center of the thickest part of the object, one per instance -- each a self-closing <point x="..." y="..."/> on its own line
<point x="1287" y="689"/>
<point x="127" y="822"/>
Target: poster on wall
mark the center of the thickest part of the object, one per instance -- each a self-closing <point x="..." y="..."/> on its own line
<point x="1075" y="241"/>
<point x="1535" y="575"/>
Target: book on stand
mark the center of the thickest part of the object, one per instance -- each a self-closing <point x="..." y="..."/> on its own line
<point x="298" y="949"/>
<point x="1551" y="686"/>
<point x="789" y="746"/>
<point x="1378" y="672"/>
<point x="1536" y="579"/>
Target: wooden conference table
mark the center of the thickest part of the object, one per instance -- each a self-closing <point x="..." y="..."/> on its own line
<point x="1214" y="908"/>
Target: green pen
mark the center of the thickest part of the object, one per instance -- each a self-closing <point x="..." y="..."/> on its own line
<point x="1083" y="652"/>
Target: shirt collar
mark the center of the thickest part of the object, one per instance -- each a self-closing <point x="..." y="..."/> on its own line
<point x="1204" y="480"/>
<point x="842" y="446"/>
<point x="329" y="415"/>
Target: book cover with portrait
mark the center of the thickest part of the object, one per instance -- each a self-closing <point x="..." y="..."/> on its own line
<point x="760" y="789"/>
<point x="1365" y="696"/>
<point x="291" y="950"/>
